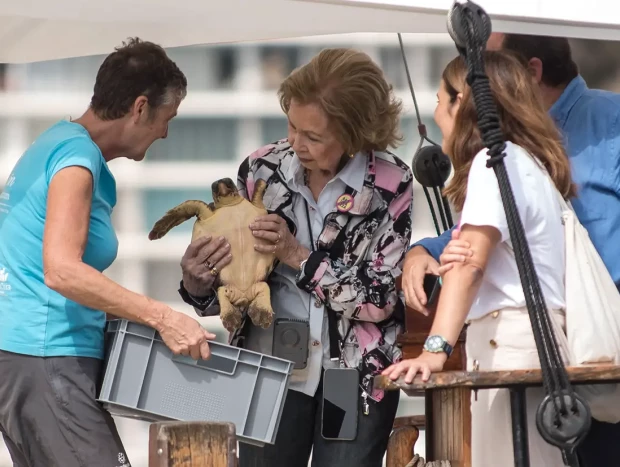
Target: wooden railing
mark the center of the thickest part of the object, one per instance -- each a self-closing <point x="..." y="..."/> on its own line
<point x="205" y="444"/>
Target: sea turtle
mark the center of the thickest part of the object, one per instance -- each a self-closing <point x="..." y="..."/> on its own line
<point x="242" y="282"/>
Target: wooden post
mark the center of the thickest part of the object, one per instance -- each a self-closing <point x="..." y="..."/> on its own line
<point x="192" y="444"/>
<point x="401" y="445"/>
<point x="448" y="433"/>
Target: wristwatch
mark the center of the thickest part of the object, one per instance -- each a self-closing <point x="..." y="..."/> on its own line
<point x="436" y="344"/>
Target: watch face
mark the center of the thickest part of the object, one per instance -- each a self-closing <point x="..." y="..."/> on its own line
<point x="434" y="344"/>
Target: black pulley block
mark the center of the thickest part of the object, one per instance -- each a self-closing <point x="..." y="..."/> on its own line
<point x="563" y="429"/>
<point x="431" y="167"/>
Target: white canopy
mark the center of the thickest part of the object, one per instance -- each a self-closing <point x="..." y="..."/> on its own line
<point x="33" y="30"/>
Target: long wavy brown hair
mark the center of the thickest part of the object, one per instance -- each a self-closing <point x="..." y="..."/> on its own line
<point x="522" y="117"/>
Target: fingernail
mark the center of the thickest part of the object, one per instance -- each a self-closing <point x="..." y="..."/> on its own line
<point x="221" y="239"/>
<point x="229" y="256"/>
<point x="252" y="225"/>
<point x="227" y="246"/>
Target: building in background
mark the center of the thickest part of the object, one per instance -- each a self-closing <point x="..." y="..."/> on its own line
<point x="231" y="109"/>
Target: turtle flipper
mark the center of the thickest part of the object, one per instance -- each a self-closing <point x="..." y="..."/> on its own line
<point x="178" y="215"/>
<point x="259" y="190"/>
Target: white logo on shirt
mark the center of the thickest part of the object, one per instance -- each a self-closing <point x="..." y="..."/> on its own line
<point x="123" y="460"/>
<point x="4" y="277"/>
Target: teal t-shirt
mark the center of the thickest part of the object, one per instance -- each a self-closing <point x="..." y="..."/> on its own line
<point x="34" y="319"/>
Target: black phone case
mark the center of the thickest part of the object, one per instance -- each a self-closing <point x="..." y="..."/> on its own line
<point x="290" y="341"/>
<point x="327" y="406"/>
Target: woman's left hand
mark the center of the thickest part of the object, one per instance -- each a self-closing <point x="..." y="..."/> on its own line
<point x="274" y="230"/>
<point x="425" y="364"/>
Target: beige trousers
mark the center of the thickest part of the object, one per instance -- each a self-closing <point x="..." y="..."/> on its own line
<point x="503" y="340"/>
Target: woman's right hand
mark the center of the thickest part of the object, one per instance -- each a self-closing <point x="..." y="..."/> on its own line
<point x="203" y="257"/>
<point x="183" y="335"/>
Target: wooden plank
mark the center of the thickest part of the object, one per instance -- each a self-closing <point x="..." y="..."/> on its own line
<point x="499" y="379"/>
<point x="418" y="421"/>
<point x="451" y="427"/>
<point x="192" y="444"/>
<point x="401" y="445"/>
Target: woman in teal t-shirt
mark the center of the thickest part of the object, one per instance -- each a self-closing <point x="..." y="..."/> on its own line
<point x="56" y="238"/>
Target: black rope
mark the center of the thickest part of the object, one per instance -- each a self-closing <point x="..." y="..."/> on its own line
<point x="442" y="203"/>
<point x="430" y="205"/>
<point x="442" y="214"/>
<point x="563" y="417"/>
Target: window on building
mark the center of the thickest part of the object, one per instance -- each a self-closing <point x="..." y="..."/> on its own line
<point x="277" y="63"/>
<point x="439" y="57"/>
<point x="394" y="67"/>
<point x="3" y="72"/>
<point x="75" y="74"/>
<point x="37" y="125"/>
<point x="157" y="201"/>
<point x="409" y="130"/>
<point x="273" y="129"/>
<point x="4" y="135"/>
<point x="162" y="280"/>
<point x="225" y="61"/>
<point x="115" y="271"/>
<point x="198" y="65"/>
<point x="197" y="139"/>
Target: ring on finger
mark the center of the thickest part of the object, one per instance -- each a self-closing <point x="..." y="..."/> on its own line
<point x="208" y="264"/>
<point x="279" y="238"/>
<point x="214" y="271"/>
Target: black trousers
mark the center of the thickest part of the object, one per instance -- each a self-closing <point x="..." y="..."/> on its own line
<point x="601" y="447"/>
<point x="299" y="434"/>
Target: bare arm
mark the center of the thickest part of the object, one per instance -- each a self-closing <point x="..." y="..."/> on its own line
<point x="460" y="286"/>
<point x="66" y="232"/>
<point x="462" y="282"/>
<point x="64" y="241"/>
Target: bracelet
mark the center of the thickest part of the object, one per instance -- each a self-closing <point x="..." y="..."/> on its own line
<point x="197" y="302"/>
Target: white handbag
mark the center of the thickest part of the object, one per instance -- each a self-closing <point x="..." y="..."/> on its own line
<point x="592" y="315"/>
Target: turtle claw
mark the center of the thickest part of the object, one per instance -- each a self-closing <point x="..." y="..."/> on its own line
<point x="260" y="316"/>
<point x="232" y="320"/>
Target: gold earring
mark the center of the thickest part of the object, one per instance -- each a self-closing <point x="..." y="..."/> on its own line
<point x="351" y="156"/>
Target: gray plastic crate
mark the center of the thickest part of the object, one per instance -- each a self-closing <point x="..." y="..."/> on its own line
<point x="146" y="381"/>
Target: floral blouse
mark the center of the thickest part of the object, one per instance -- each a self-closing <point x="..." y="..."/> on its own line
<point x="359" y="255"/>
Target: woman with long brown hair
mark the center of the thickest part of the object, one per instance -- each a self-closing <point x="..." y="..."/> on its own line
<point x="485" y="290"/>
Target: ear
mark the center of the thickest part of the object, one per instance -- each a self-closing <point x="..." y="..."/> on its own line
<point x="139" y="109"/>
<point x="535" y="67"/>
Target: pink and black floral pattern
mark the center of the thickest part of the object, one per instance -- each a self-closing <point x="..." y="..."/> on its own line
<point x="365" y="250"/>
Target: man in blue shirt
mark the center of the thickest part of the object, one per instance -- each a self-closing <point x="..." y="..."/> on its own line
<point x="590" y="123"/>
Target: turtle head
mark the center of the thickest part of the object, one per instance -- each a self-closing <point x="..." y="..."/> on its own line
<point x="225" y="192"/>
